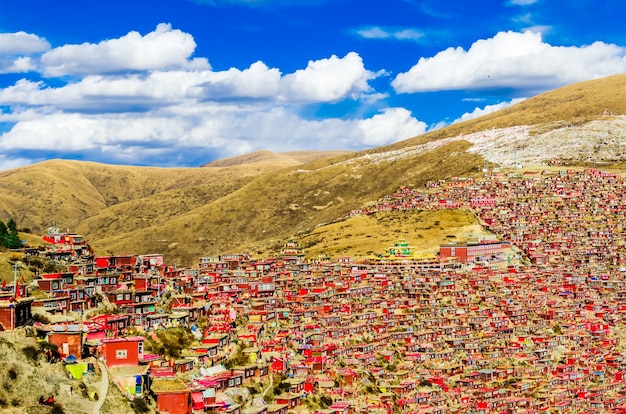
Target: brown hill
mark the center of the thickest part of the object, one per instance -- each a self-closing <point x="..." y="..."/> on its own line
<point x="282" y="159"/>
<point x="255" y="202"/>
<point x="577" y="103"/>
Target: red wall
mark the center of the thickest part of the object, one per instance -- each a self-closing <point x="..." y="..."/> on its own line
<point x="6" y="318"/>
<point x="460" y="252"/>
<point x="113" y="359"/>
<point x="74" y="342"/>
<point x="179" y="403"/>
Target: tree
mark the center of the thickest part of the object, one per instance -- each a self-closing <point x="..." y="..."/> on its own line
<point x="9" y="237"/>
<point x="12" y="241"/>
<point x="12" y="226"/>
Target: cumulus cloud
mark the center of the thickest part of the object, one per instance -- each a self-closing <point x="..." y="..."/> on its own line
<point x="377" y="32"/>
<point x="22" y="43"/>
<point x="145" y="100"/>
<point x="164" y="48"/>
<point x="257" y="81"/>
<point x="325" y="80"/>
<point x="389" y="126"/>
<point x="478" y="112"/>
<point x="16" y="50"/>
<point x="195" y="132"/>
<point x="511" y="60"/>
<point x="328" y="80"/>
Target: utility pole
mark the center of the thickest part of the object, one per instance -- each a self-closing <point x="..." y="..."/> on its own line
<point x="15" y="280"/>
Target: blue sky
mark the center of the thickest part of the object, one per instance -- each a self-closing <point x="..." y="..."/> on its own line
<point x="183" y="82"/>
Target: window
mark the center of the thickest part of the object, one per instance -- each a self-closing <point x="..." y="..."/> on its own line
<point x="121" y="354"/>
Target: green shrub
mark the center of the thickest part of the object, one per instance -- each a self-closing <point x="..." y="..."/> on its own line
<point x="140" y="406"/>
<point x="31" y="353"/>
<point x="57" y="409"/>
<point x="325" y="401"/>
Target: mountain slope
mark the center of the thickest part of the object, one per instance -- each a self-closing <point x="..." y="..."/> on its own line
<point x="256" y="201"/>
<point x="281" y="204"/>
<point x="282" y="159"/>
<point x="577" y="103"/>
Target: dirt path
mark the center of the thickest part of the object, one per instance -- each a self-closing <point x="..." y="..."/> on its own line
<point x="102" y="387"/>
<point x="268" y="387"/>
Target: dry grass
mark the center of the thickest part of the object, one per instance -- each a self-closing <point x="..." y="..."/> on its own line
<point x="573" y="104"/>
<point x="365" y="236"/>
<point x="280" y="204"/>
<point x="25" y="381"/>
<point x="255" y="202"/>
<point x="168" y="385"/>
<point x="282" y="159"/>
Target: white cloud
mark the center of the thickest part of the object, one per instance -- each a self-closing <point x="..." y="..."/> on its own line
<point x="511" y="60"/>
<point x="325" y="80"/>
<point x="16" y="50"/>
<point x="258" y="81"/>
<point x="145" y="100"/>
<point x="17" y="65"/>
<point x="328" y="80"/>
<point x="391" y="125"/>
<point x="164" y="48"/>
<point x="478" y="112"/>
<point x="543" y="29"/>
<point x="22" y="44"/>
<point x="8" y="162"/>
<point x="377" y="32"/>
<point x="199" y="131"/>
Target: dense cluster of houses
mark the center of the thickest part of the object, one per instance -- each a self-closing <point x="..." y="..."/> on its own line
<point x="466" y="332"/>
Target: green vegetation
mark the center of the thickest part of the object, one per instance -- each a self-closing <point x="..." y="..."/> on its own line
<point x="9" y="237"/>
<point x="140" y="406"/>
<point x="170" y="342"/>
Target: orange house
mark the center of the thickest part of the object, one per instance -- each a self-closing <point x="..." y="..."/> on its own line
<point x="122" y="352"/>
<point x="68" y="343"/>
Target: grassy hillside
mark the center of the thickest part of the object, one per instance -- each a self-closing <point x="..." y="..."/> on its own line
<point x="277" y="205"/>
<point x="576" y="103"/>
<point x="367" y="236"/>
<point x="254" y="202"/>
<point x="282" y="159"/>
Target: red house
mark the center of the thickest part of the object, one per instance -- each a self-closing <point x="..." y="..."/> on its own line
<point x="172" y="396"/>
<point x="14" y="312"/>
<point x="122" y="352"/>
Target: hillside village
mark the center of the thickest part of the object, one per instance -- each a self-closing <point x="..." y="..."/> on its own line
<point x="529" y="321"/>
